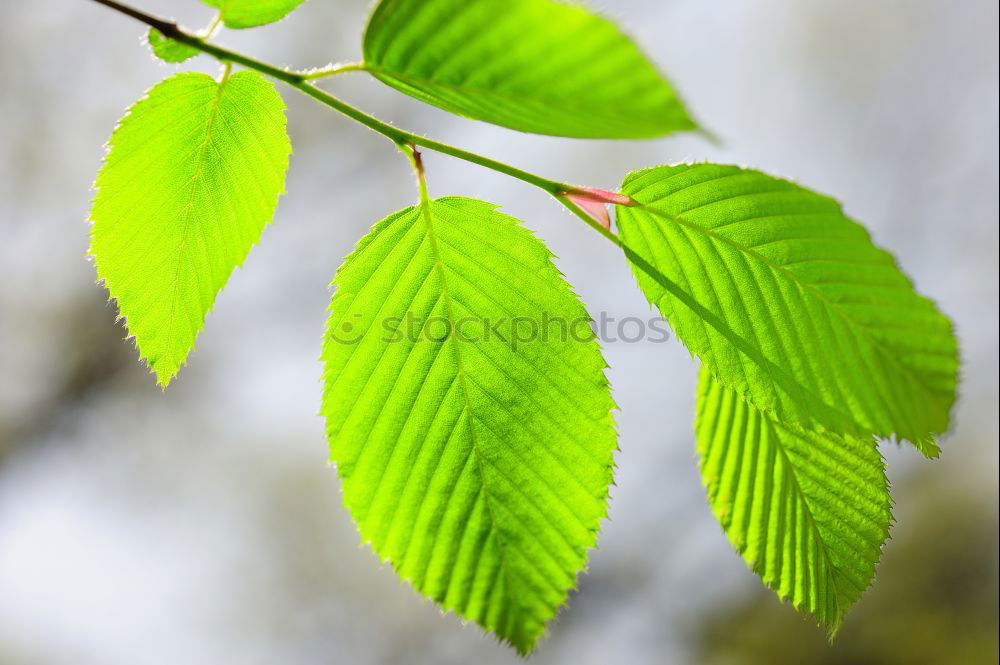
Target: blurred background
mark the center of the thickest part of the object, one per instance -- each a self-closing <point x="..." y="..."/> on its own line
<point x="203" y="525"/>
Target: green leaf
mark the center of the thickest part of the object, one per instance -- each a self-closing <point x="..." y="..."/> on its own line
<point x="168" y="50"/>
<point x="239" y="14"/>
<point x="789" y="303"/>
<point x="474" y="456"/>
<point x="809" y="512"/>
<point x="532" y="65"/>
<point x="192" y="176"/>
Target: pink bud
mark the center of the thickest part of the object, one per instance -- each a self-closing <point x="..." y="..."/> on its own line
<point x="594" y="202"/>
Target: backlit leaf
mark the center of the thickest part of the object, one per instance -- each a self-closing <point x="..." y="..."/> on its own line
<point x="239" y="14"/>
<point x="809" y="512"/>
<point x="533" y="65"/>
<point x="192" y="175"/>
<point x="474" y="455"/>
<point x="788" y="302"/>
<point x="169" y="50"/>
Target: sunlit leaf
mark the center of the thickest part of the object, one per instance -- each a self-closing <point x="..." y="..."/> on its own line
<point x="239" y="14"/>
<point x="533" y="65"/>
<point x="168" y="50"/>
<point x="192" y="175"/>
<point x="474" y="455"/>
<point x="788" y="302"/>
<point x="809" y="512"/>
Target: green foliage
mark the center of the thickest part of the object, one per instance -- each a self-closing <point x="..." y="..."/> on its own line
<point x="465" y="399"/>
<point x="809" y="512"/>
<point x="788" y="302"/>
<point x="192" y="175"/>
<point x="934" y="600"/>
<point x="533" y="65"/>
<point x="477" y="466"/>
<point x="239" y="14"/>
<point x="169" y="50"/>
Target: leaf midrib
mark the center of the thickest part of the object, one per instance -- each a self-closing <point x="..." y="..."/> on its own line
<point x="559" y="102"/>
<point x="807" y="509"/>
<point x="199" y="168"/>
<point x="427" y="215"/>
<point x="788" y="274"/>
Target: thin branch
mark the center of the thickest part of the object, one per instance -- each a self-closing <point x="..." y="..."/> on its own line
<point x="166" y="27"/>
<point x="302" y="82"/>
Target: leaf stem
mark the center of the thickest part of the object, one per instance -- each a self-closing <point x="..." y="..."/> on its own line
<point x="213" y="27"/>
<point x="402" y="137"/>
<point x="333" y="70"/>
<point x="302" y="82"/>
<point x="417" y="162"/>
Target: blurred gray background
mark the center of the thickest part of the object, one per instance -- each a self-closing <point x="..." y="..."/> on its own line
<point x="203" y="525"/>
